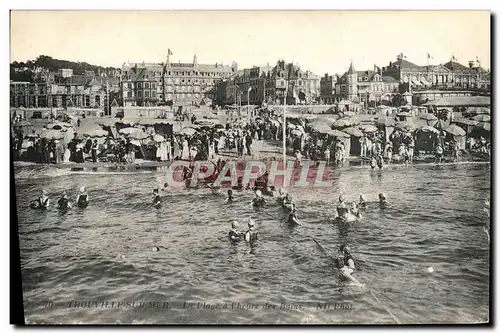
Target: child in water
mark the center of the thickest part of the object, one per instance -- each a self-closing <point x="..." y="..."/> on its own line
<point x="234" y="234"/>
<point x="230" y="198"/>
<point x="63" y="203"/>
<point x="251" y="233"/>
<point x="83" y="198"/>
<point x="156" y="197"/>
<point x="382" y="200"/>
<point x="373" y="163"/>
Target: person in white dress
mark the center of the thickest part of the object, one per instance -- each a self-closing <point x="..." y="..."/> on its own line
<point x="185" y="150"/>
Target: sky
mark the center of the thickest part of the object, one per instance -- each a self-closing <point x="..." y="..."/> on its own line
<point x="320" y="41"/>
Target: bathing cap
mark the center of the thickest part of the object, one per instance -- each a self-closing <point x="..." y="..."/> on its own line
<point x="362" y="196"/>
<point x="258" y="192"/>
<point x="82" y="189"/>
<point x="381" y="195"/>
<point x="234" y="224"/>
<point x="341" y="198"/>
<point x="251" y="222"/>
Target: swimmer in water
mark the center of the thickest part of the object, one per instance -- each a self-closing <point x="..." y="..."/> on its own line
<point x="41" y="202"/>
<point x="82" y="200"/>
<point x="165" y="187"/>
<point x="354" y="210"/>
<point x="342" y="209"/>
<point x="373" y="163"/>
<point x="281" y="196"/>
<point x="63" y="203"/>
<point x="382" y="200"/>
<point x="215" y="189"/>
<point x="258" y="200"/>
<point x="234" y="234"/>
<point x="292" y="217"/>
<point x="345" y="263"/>
<point x="156" y="197"/>
<point x="230" y="198"/>
<point x="251" y="234"/>
<point x="362" y="202"/>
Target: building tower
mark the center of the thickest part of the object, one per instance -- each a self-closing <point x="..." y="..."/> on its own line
<point x="352" y="83"/>
<point x="195" y="61"/>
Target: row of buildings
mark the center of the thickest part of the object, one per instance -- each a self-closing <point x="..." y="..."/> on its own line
<point x="151" y="84"/>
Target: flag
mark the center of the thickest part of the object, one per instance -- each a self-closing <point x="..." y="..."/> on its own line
<point x="170" y="53"/>
<point x="453" y="58"/>
<point x="429" y="56"/>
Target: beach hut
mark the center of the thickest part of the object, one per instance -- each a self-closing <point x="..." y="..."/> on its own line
<point x="354" y="140"/>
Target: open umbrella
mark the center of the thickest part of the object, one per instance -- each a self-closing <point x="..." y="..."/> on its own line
<point x="404" y="126"/>
<point x="353" y="132"/>
<point x="482" y="118"/>
<point x="348" y="113"/>
<point x="22" y="124"/>
<point x="386" y="121"/>
<point x="465" y="121"/>
<point x="429" y="117"/>
<point x="139" y="135"/>
<point x="327" y="121"/>
<point x="455" y="130"/>
<point x="344" y="122"/>
<point x="439" y="124"/>
<point x="478" y="111"/>
<point x="96" y="133"/>
<point x="52" y="134"/>
<point x="296" y="133"/>
<point x="404" y="114"/>
<point x="126" y="121"/>
<point x="59" y="125"/>
<point x="128" y="131"/>
<point x="427" y="128"/>
<point x="158" y="138"/>
<point x="484" y="126"/>
<point x="108" y="121"/>
<point x="188" y="131"/>
<point x="370" y="128"/>
<point x="354" y="120"/>
<point x="337" y="133"/>
<point x="319" y="127"/>
<point x="290" y="126"/>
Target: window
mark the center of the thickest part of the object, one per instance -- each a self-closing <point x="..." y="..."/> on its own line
<point x="139" y="85"/>
<point x="129" y="85"/>
<point x="146" y="85"/>
<point x="169" y="73"/>
<point x="129" y="94"/>
<point x="153" y="85"/>
<point x="146" y="94"/>
<point x="153" y="94"/>
<point x="139" y="94"/>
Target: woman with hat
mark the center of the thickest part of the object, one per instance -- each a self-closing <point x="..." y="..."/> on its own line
<point x="63" y="203"/>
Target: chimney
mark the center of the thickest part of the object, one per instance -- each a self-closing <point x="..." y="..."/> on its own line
<point x="472" y="64"/>
<point x="390" y="63"/>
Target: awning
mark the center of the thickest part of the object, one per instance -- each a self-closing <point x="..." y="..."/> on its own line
<point x="416" y="82"/>
<point x="425" y="82"/>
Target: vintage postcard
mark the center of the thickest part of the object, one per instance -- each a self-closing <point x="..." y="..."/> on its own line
<point x="252" y="167"/>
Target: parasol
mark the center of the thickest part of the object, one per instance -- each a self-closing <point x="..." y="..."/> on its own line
<point x="128" y="131"/>
<point x="386" y="121"/>
<point x="320" y="127"/>
<point x="158" y="138"/>
<point x="22" y="124"/>
<point x="108" y="121"/>
<point x="404" y="114"/>
<point x="296" y="133"/>
<point x="342" y="123"/>
<point x="348" y="114"/>
<point x="429" y="117"/>
<point x="482" y="118"/>
<point x="52" y="134"/>
<point x="427" y="128"/>
<point x="404" y="126"/>
<point x="323" y="120"/>
<point x="337" y="133"/>
<point x="353" y="132"/>
<point x="96" y="133"/>
<point x="125" y="121"/>
<point x="370" y="128"/>
<point x="484" y="126"/>
<point x="139" y="135"/>
<point x="465" y="121"/>
<point x="455" y="130"/>
<point x="290" y="126"/>
<point x="188" y="131"/>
